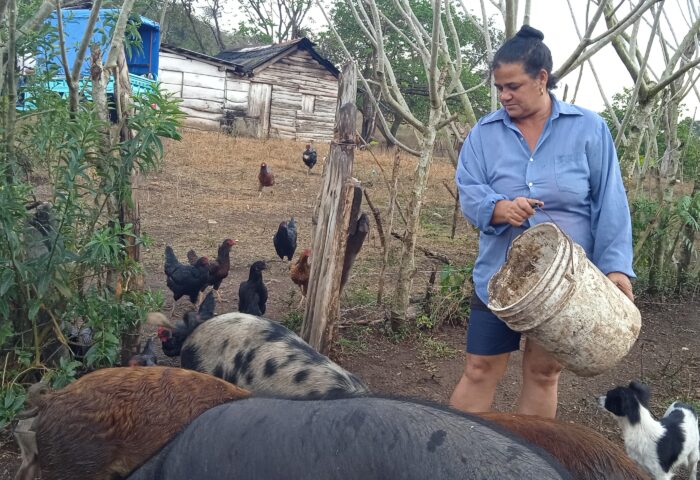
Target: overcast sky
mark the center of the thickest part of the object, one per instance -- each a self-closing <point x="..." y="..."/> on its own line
<point x="553" y="18"/>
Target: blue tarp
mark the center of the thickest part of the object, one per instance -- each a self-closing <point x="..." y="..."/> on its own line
<point x="143" y="62"/>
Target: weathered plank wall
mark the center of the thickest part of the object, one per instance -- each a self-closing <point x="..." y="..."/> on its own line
<point x="201" y="86"/>
<point x="304" y="96"/>
<point x="301" y="96"/>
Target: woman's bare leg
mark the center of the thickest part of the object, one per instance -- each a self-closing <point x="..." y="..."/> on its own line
<point x="477" y="386"/>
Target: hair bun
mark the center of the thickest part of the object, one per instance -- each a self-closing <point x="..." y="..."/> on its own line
<point x="526" y="31"/>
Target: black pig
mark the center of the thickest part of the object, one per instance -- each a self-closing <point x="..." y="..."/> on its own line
<point x="350" y="438"/>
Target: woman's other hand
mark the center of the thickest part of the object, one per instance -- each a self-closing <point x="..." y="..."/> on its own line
<point x="622" y="282"/>
<point x="515" y="211"/>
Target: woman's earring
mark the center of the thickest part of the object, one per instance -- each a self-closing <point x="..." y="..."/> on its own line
<point x="541" y="91"/>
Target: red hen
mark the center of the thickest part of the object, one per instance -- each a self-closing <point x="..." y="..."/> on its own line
<point x="265" y="178"/>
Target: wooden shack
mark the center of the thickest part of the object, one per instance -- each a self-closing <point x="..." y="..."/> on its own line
<point x="285" y="90"/>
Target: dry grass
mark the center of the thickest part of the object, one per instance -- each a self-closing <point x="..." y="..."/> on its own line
<point x="210" y="176"/>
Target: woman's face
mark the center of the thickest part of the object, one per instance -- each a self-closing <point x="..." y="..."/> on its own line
<point x="519" y="93"/>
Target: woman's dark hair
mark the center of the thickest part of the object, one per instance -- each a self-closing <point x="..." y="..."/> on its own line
<point x="527" y="47"/>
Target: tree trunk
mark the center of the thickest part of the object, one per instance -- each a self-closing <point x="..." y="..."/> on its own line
<point x="330" y="236"/>
<point x="163" y="21"/>
<point x="407" y="267"/>
<point x="666" y="181"/>
<point x="456" y="214"/>
<point x="634" y="140"/>
<point x="369" y="119"/>
<point x="129" y="209"/>
<point x="390" y="216"/>
<point x="369" y="113"/>
<point x="11" y="88"/>
<point x="188" y="11"/>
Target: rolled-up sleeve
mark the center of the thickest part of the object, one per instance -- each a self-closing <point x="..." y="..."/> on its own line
<point x="611" y="225"/>
<point x="476" y="197"/>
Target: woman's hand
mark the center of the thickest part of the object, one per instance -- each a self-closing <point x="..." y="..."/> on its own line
<point x="515" y="211"/>
<point x="622" y="282"/>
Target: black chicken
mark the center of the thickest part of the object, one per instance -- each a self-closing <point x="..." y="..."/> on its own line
<point x="184" y="279"/>
<point x="309" y="157"/>
<point x="285" y="239"/>
<point x="147" y="357"/>
<point x="172" y="340"/>
<point x="252" y="294"/>
<point x="218" y="268"/>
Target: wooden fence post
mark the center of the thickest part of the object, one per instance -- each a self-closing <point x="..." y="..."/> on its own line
<point x="331" y="229"/>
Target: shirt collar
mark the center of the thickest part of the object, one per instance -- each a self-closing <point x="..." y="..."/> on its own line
<point x="558" y="108"/>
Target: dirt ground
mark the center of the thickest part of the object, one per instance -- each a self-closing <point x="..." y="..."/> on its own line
<point x="207" y="191"/>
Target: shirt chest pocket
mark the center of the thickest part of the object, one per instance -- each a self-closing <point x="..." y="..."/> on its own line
<point x="572" y="174"/>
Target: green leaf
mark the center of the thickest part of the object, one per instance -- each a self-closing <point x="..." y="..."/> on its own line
<point x="19" y="402"/>
<point x="6" y="281"/>
<point x="34" y="307"/>
<point x="9" y="399"/>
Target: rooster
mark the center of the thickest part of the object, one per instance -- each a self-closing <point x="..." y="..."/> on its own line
<point x="218" y="268"/>
<point x="309" y="157"/>
<point x="299" y="273"/>
<point x="285" y="240"/>
<point x="252" y="294"/>
<point x="184" y="279"/>
<point x="265" y="179"/>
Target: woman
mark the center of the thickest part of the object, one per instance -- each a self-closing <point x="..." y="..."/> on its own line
<point x="536" y="151"/>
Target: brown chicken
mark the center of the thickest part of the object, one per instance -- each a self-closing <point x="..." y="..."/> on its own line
<point x="299" y="272"/>
<point x="265" y="179"/>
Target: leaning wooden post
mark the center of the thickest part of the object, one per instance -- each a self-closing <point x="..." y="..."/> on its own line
<point x="331" y="229"/>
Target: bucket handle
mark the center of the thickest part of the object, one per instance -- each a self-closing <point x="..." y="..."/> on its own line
<point x="568" y="238"/>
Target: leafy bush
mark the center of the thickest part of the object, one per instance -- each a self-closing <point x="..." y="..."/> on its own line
<point x="660" y="235"/>
<point x="449" y="301"/>
<point x="65" y="263"/>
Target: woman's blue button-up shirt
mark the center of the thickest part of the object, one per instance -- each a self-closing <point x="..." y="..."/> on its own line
<point x="574" y="170"/>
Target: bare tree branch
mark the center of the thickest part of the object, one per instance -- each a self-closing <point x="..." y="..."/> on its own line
<point x="672" y="78"/>
<point x="87" y="37"/>
<point x="375" y="103"/>
<point x="117" y="43"/>
<point x="187" y="7"/>
<point x="43" y="12"/>
<point x="11" y="88"/>
<point x="435" y="45"/>
<point x="391" y="93"/>
<point x="510" y="18"/>
<point x="639" y="82"/>
<point x="280" y="19"/>
<point x="62" y="47"/>
<point x="3" y="8"/>
<point x="580" y="54"/>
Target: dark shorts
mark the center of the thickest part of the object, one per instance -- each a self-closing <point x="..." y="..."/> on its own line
<point x="487" y="334"/>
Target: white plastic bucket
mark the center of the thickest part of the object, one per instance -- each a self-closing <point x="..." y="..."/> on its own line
<point x="550" y="291"/>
